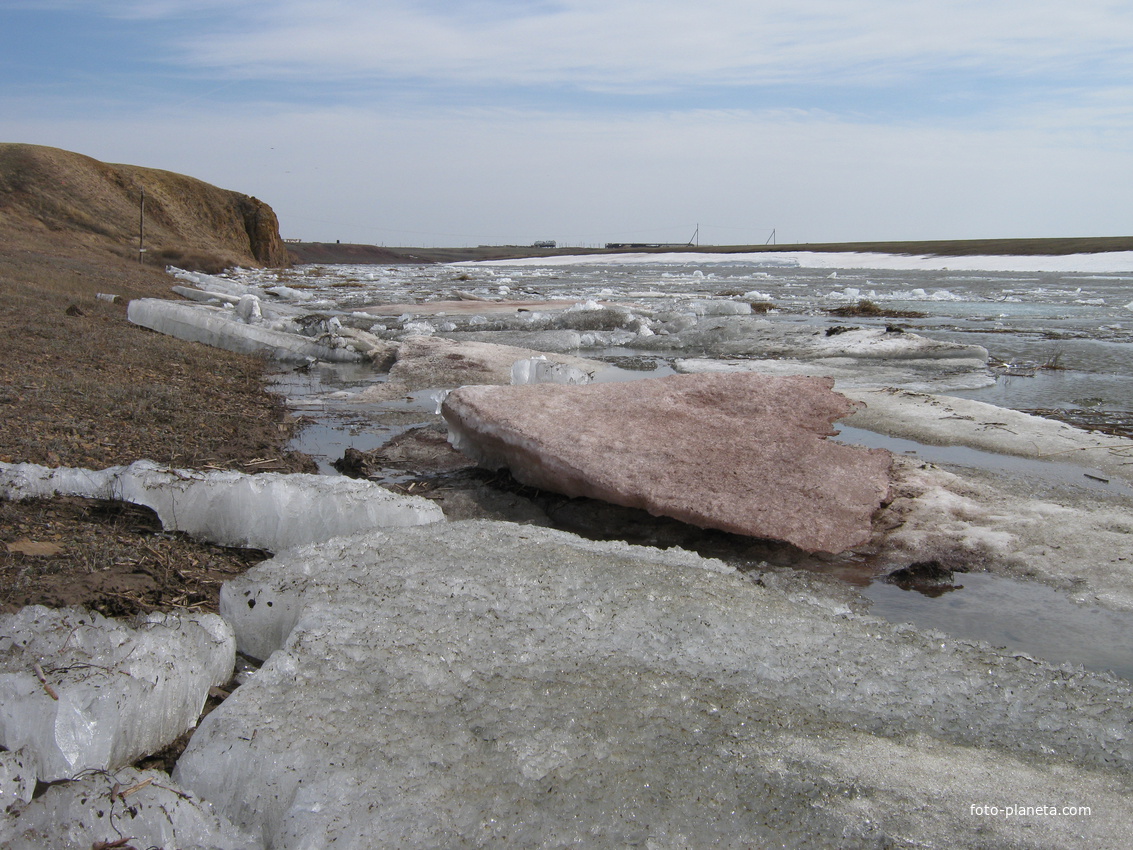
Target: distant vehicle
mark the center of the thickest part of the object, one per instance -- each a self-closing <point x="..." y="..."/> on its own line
<point x="545" y="243"/>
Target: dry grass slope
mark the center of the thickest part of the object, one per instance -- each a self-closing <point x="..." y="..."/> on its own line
<point x="81" y="386"/>
<point x="49" y="194"/>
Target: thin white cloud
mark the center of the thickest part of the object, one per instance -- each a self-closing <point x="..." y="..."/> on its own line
<point x="631" y="44"/>
<point x="1041" y="160"/>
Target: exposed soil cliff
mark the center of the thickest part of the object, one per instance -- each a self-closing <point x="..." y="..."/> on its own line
<point x="67" y="200"/>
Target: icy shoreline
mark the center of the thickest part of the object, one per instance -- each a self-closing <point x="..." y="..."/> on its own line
<point x="460" y="672"/>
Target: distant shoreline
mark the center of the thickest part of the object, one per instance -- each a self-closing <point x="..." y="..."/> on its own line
<point x="335" y="252"/>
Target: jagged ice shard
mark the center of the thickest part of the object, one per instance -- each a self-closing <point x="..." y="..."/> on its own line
<point x="743" y="453"/>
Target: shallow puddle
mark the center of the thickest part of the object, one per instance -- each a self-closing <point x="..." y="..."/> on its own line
<point x="1021" y="616"/>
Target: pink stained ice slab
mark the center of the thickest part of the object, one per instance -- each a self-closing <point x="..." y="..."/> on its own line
<point x="744" y="453"/>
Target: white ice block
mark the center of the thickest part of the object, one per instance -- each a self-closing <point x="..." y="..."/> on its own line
<point x="80" y="691"/>
<point x="540" y="370"/>
<point x="223" y="329"/>
<point x="267" y="511"/>
<point x="493" y="685"/>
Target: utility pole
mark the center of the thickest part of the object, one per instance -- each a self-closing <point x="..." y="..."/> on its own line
<point x="142" y="227"/>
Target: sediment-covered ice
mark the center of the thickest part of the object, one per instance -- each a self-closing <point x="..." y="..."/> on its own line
<point x="742" y="453"/>
<point x="486" y="684"/>
<point x="124" y="808"/>
<point x="944" y="420"/>
<point x="79" y="691"/>
<point x="266" y="511"/>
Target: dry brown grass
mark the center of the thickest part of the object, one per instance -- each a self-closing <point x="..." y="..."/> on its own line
<point x="81" y="386"/>
<point x="49" y="193"/>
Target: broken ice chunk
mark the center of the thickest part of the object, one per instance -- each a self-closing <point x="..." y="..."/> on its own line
<point x="540" y="370"/>
<point x="222" y="329"/>
<point x="267" y="511"/>
<point x="80" y="691"/>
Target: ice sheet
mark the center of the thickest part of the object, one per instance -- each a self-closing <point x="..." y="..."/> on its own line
<point x="488" y="684"/>
<point x="1113" y="261"/>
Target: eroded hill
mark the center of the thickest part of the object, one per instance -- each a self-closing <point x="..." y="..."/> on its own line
<point x="67" y="200"/>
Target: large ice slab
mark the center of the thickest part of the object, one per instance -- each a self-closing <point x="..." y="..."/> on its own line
<point x="948" y="420"/>
<point x="487" y="684"/>
<point x="743" y="453"/>
<point x="129" y="807"/>
<point x="223" y="329"/>
<point x="266" y="511"/>
<point x="79" y="691"/>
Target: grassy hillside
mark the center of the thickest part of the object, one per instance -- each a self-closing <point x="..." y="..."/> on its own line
<point x="65" y="201"/>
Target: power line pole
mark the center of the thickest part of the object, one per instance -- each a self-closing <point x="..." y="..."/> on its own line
<point x="142" y="226"/>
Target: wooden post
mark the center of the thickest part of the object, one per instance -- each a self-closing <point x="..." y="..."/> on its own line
<point x="142" y="226"/>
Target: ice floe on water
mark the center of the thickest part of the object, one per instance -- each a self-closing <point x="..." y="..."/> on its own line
<point x="482" y="683"/>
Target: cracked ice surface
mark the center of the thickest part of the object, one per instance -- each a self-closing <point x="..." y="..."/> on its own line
<point x="266" y="511"/>
<point x="111" y="690"/>
<point x="487" y="684"/>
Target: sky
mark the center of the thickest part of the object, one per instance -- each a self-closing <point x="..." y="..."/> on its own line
<point x="468" y="122"/>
